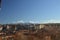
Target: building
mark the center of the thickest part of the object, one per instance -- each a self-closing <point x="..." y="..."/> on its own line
<point x="1" y="27"/>
<point x="39" y="26"/>
<point x="51" y="26"/>
<point x="48" y="26"/>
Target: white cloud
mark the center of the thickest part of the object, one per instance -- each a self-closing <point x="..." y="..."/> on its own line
<point x="46" y="21"/>
<point x="51" y="21"/>
<point x="33" y="22"/>
<point x="21" y="21"/>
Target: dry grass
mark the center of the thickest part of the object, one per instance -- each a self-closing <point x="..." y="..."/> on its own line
<point x="40" y="35"/>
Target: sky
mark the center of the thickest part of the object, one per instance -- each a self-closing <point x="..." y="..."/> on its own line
<point x="30" y="11"/>
<point x="0" y="4"/>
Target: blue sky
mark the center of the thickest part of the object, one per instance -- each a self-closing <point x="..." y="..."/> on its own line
<point x="29" y="10"/>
